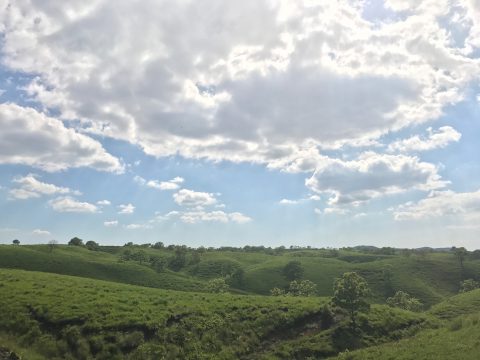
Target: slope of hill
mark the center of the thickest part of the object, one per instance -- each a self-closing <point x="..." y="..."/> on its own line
<point x="456" y="337"/>
<point x="430" y="277"/>
<point x="64" y="317"/>
<point x="78" y="261"/>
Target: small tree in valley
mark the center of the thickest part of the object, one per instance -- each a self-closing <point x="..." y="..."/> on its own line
<point x="350" y="292"/>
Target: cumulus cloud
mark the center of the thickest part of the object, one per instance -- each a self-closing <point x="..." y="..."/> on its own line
<point x="172" y="184"/>
<point x="372" y="175"/>
<point x="30" y="187"/>
<point x="194" y="199"/>
<point x="111" y="223"/>
<point x="435" y="139"/>
<point x="41" y="232"/>
<point x="461" y="207"/>
<point x="200" y="81"/>
<point x="29" y="137"/>
<point x="104" y="202"/>
<point x="126" y="209"/>
<point x="70" y="205"/>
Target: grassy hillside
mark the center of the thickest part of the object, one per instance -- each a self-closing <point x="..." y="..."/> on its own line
<point x="431" y="277"/>
<point x="78" y="261"/>
<point x="456" y="337"/>
<point x="64" y="317"/>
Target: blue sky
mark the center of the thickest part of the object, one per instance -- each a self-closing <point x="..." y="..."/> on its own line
<point x="228" y="124"/>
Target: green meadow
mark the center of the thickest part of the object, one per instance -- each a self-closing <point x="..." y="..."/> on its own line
<point x="141" y="302"/>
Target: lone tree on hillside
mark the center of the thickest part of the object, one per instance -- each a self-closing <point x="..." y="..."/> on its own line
<point x="92" y="245"/>
<point x="293" y="270"/>
<point x="16" y="242"/>
<point x="349" y="293"/>
<point x="217" y="286"/>
<point x="76" y="241"/>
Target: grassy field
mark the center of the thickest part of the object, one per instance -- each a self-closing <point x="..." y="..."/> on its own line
<point x="458" y="336"/>
<point x="431" y="277"/>
<point x="64" y="317"/>
<point x="75" y="303"/>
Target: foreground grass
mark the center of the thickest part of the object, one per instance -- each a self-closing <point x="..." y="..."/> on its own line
<point x="459" y="339"/>
<point x="63" y="317"/>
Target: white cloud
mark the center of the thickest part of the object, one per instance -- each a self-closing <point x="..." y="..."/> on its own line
<point x="299" y="201"/>
<point x="29" y="137"/>
<point x="288" y="202"/>
<point x="104" y="203"/>
<point x="372" y="175"/>
<point x="439" y="139"/>
<point x="30" y="187"/>
<point x="126" y="209"/>
<point x="137" y="226"/>
<point x="68" y="204"/>
<point x="199" y="216"/>
<point x="295" y="76"/>
<point x="112" y="223"/>
<point x="172" y="184"/>
<point x="194" y="199"/>
<point x="463" y="208"/>
<point x="40" y="232"/>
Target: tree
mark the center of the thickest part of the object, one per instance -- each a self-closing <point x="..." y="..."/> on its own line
<point x="469" y="285"/>
<point x="92" y="245"/>
<point x="293" y="270"/>
<point x="16" y="242"/>
<point x="302" y="288"/>
<point x="217" y="286"/>
<point x="460" y="253"/>
<point x="52" y="244"/>
<point x="158" y="263"/>
<point x="179" y="260"/>
<point x="158" y="245"/>
<point x="387" y="274"/>
<point x="349" y="293"/>
<point x="76" y="241"/>
<point x="404" y="301"/>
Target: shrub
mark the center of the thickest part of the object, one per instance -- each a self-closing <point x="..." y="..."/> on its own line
<point x="404" y="301"/>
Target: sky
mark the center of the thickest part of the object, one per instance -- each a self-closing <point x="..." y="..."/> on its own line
<point x="232" y="123"/>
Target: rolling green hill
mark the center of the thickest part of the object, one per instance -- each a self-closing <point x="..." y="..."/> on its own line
<point x="431" y="277"/>
<point x="458" y="336"/>
<point x="64" y="317"/>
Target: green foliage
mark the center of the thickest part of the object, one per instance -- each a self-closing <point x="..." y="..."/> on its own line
<point x="469" y="285"/>
<point x="62" y="317"/>
<point x="16" y="242"/>
<point x="92" y="245"/>
<point x="158" y="245"/>
<point x="293" y="270"/>
<point x="302" y="288"/>
<point x="404" y="301"/>
<point x="350" y="292"/>
<point x="179" y="260"/>
<point x="75" y="241"/>
<point x="277" y="292"/>
<point x="217" y="286"/>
